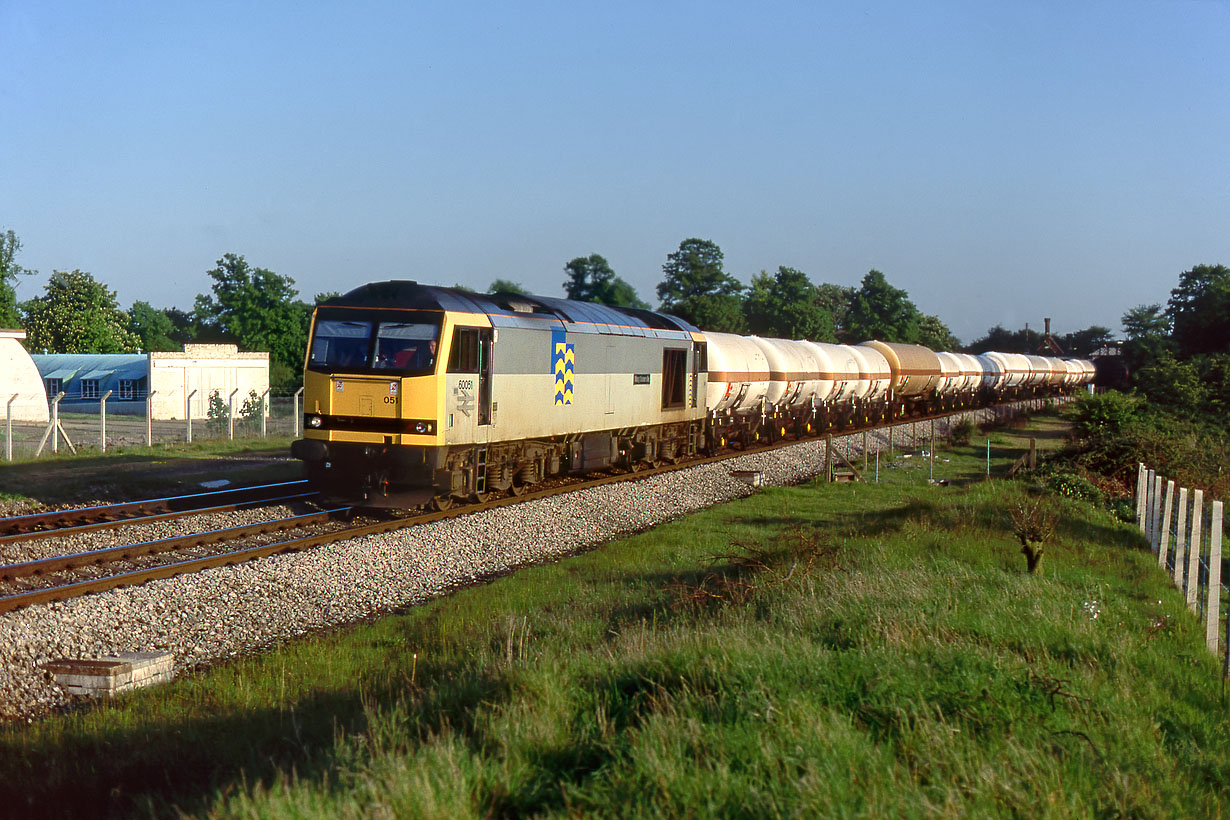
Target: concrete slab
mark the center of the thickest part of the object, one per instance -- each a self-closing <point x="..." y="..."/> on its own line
<point x="110" y="675"/>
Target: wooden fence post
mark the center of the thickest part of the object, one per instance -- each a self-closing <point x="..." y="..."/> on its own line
<point x="1180" y="539"/>
<point x="1194" y="549"/>
<point x="1149" y="476"/>
<point x="1167" y="508"/>
<point x="1155" y="515"/>
<point x="828" y="457"/>
<point x="1140" y="495"/>
<point x="1213" y="608"/>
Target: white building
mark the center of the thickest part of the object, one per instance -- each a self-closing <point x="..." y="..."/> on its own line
<point x="174" y="383"/>
<point x="21" y="386"/>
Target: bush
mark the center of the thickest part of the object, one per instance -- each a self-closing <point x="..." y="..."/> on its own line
<point x="219" y="412"/>
<point x="1072" y="485"/>
<point x="253" y="407"/>
<point x="1104" y="414"/>
<point x="961" y="432"/>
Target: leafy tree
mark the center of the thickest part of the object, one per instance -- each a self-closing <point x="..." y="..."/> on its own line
<point x="257" y="310"/>
<point x="1145" y="321"/>
<point x="590" y="279"/>
<point x="152" y="327"/>
<point x="1025" y="340"/>
<point x="77" y="314"/>
<point x="1175" y="383"/>
<point x="186" y="327"/>
<point x="1085" y="342"/>
<point x="880" y="311"/>
<point x="10" y="316"/>
<point x="835" y="300"/>
<point x="326" y="296"/>
<point x="1104" y="414"/>
<point x="507" y="286"/>
<point x="1199" y="310"/>
<point x="786" y="305"/>
<point x="1214" y="370"/>
<point x="697" y="289"/>
<point x="933" y="333"/>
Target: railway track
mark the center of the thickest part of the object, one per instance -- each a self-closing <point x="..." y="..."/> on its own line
<point x="58" y="578"/>
<point x="107" y="516"/>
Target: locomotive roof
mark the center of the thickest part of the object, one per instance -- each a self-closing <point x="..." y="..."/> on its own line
<point x="517" y="310"/>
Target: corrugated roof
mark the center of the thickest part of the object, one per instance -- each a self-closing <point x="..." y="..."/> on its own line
<point x="91" y="365"/>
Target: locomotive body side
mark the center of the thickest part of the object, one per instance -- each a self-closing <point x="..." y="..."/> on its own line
<point x="494" y="393"/>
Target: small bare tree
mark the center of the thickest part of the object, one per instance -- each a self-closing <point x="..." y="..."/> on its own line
<point x="1033" y="524"/>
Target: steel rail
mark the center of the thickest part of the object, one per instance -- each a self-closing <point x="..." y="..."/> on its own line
<point x="34" y="522"/>
<point x="77" y="529"/>
<point x="127" y="552"/>
<point x="137" y="577"/>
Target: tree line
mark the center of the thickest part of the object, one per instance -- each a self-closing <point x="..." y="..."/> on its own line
<point x="258" y="309"/>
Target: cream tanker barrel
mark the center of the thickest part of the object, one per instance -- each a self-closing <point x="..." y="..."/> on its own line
<point x="824" y="386"/>
<point x="875" y="375"/>
<point x="791" y="366"/>
<point x="1090" y="371"/>
<point x="738" y="373"/>
<point x="971" y="369"/>
<point x="1059" y="372"/>
<point x="843" y="370"/>
<point x="951" y="381"/>
<point x="1039" y="370"/>
<point x="993" y="373"/>
<point x="916" y="369"/>
<point x="1072" y="372"/>
<point x="811" y="381"/>
<point x="1014" y="366"/>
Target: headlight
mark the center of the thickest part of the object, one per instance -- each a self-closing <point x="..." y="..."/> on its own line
<point x="422" y="427"/>
<point x="315" y="421"/>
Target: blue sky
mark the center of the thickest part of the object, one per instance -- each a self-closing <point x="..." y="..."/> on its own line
<point x="1001" y="162"/>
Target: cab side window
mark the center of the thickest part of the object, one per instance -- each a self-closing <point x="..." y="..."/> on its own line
<point x="463" y="357"/>
<point x="674" y="372"/>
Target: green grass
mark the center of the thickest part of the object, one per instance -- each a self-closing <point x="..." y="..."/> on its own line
<point x="816" y="651"/>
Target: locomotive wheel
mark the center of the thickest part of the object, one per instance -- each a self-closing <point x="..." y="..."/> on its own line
<point x="441" y="503"/>
<point x="517" y="490"/>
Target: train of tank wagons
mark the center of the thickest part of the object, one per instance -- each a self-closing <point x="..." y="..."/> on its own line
<point x="417" y="395"/>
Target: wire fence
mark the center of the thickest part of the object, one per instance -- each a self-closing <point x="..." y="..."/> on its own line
<point x="1186" y="537"/>
<point x="108" y="425"/>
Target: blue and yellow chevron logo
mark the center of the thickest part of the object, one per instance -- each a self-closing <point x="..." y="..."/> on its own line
<point x="563" y="358"/>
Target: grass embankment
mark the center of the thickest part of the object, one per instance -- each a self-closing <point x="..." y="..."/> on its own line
<point x="817" y="651"/>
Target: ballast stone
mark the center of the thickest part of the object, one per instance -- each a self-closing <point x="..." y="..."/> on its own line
<point x="110" y="675"/>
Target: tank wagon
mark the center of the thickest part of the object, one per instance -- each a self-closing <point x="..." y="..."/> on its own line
<point x="417" y="394"/>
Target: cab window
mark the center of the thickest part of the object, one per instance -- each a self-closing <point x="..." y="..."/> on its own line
<point x="463" y="357"/>
<point x="340" y="344"/>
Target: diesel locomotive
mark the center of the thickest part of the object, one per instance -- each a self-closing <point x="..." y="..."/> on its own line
<point x="416" y="394"/>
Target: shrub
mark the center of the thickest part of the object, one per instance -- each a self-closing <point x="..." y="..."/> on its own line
<point x="1072" y="485"/>
<point x="253" y="407"/>
<point x="961" y="432"/>
<point x="1104" y="414"/>
<point x="219" y="412"/>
